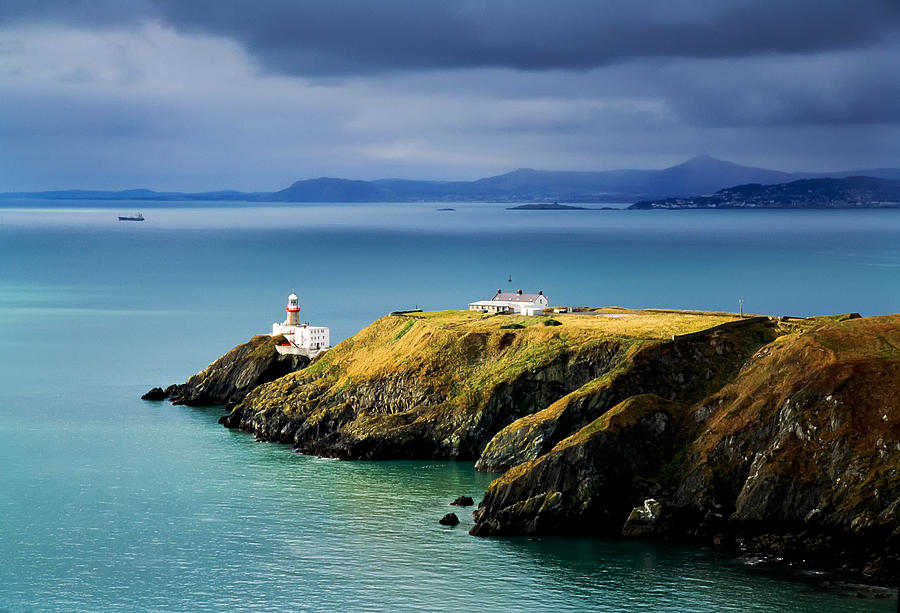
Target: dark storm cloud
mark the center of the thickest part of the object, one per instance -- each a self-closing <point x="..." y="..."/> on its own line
<point x="203" y="94"/>
<point x="365" y="36"/>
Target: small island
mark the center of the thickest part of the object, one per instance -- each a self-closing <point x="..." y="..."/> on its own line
<point x="555" y="206"/>
<point x="772" y="438"/>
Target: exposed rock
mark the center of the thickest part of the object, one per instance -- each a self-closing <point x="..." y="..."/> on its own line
<point x="155" y="393"/>
<point x="686" y="369"/>
<point x="585" y="484"/>
<point x="463" y="501"/>
<point x="450" y="519"/>
<point x="644" y="520"/>
<point x="798" y="457"/>
<point x="230" y="378"/>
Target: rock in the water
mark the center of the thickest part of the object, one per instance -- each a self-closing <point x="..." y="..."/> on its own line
<point x="450" y="519"/>
<point x="643" y="520"/>
<point x="463" y="501"/>
<point x="155" y="393"/>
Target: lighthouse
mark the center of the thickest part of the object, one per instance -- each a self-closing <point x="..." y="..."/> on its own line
<point x="293" y="311"/>
<point x="300" y="338"/>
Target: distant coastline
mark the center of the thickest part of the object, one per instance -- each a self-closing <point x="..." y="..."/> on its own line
<point x="700" y="175"/>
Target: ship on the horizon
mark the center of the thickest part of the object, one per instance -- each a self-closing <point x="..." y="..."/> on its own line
<point x="137" y="217"/>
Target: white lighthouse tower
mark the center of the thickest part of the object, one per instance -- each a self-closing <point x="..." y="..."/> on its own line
<point x="293" y="310"/>
<point x="301" y="338"/>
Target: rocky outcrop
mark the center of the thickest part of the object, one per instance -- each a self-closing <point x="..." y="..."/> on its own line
<point x="155" y="393"/>
<point x="685" y="369"/>
<point x="645" y="520"/>
<point x="587" y="482"/>
<point x="796" y="458"/>
<point x="231" y="377"/>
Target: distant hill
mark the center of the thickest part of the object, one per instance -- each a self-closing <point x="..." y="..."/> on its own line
<point x="699" y="175"/>
<point x="328" y="190"/>
<point x="850" y="192"/>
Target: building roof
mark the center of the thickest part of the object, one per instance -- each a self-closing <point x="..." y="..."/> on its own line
<point x="515" y="297"/>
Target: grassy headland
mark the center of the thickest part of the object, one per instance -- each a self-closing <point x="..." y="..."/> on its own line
<point x="750" y="432"/>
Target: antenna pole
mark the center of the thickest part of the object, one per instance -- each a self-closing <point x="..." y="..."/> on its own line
<point x="741" y="303"/>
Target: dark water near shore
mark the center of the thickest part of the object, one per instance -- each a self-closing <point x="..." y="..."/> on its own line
<point x="111" y="503"/>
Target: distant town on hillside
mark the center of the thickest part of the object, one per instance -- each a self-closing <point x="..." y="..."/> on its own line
<point x="852" y="192"/>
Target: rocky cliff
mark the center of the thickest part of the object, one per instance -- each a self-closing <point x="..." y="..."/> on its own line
<point x="796" y="458"/>
<point x="441" y="385"/>
<point x="228" y="380"/>
<point x="685" y="368"/>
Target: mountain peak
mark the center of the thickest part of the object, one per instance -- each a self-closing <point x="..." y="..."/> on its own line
<point x="704" y="162"/>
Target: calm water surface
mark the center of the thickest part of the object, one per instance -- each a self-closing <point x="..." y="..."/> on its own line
<point x="110" y="503"/>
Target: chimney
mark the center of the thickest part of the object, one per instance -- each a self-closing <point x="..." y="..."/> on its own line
<point x="540" y="292"/>
<point x="499" y="291"/>
<point x="518" y="291"/>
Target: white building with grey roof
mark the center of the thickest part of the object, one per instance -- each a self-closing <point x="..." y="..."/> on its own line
<point x="512" y="303"/>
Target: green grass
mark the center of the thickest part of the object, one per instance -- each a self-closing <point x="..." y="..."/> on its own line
<point x="404" y="330"/>
<point x="465" y="354"/>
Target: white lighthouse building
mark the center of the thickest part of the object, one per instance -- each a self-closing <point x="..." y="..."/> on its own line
<point x="302" y="339"/>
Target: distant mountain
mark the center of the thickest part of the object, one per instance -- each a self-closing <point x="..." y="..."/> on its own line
<point x="328" y="190"/>
<point x="845" y="193"/>
<point x="705" y="174"/>
<point x="699" y="175"/>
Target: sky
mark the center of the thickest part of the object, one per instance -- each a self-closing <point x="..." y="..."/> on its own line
<point x="255" y="94"/>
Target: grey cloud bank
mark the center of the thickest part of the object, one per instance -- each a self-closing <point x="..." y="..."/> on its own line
<point x="204" y="95"/>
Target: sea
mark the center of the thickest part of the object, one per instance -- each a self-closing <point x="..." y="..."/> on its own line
<point x="111" y="503"/>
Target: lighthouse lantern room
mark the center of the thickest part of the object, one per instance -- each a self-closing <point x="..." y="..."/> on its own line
<point x="300" y="338"/>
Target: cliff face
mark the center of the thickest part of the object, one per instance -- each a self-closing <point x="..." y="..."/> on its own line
<point x="228" y="380"/>
<point x="684" y="369"/>
<point x="441" y="385"/>
<point x="585" y="484"/>
<point x="798" y="456"/>
<point x="808" y="434"/>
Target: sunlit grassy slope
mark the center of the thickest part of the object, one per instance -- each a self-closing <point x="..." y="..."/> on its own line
<point x="456" y="376"/>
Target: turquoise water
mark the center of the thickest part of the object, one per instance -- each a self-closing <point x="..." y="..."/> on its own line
<point x="110" y="503"/>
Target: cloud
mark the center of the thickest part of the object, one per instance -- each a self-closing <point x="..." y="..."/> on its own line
<point x="322" y="37"/>
<point x="199" y="95"/>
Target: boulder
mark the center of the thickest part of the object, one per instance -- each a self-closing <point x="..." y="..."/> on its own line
<point x="450" y="519"/>
<point x="155" y="393"/>
<point x="643" y="520"/>
<point x="463" y="501"/>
